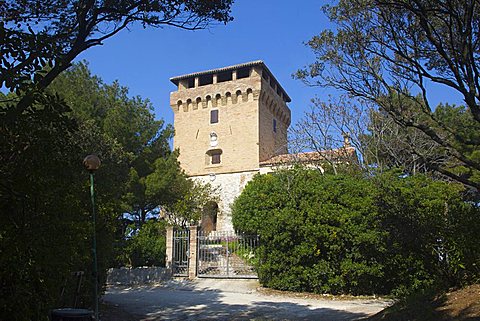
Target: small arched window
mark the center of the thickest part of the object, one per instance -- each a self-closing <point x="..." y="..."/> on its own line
<point x="238" y="96"/>
<point x="218" y="99"/>
<point x="198" y="102"/>
<point x="249" y="94"/>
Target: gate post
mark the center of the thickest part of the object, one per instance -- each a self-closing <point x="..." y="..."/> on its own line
<point x="169" y="250"/>
<point x="192" y="264"/>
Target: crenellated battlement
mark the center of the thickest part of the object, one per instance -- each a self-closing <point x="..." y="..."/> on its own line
<point x="266" y="95"/>
<point x="211" y="100"/>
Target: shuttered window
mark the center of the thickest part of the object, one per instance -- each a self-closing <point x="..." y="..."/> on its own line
<point x="214" y="116"/>
<point x="216" y="158"/>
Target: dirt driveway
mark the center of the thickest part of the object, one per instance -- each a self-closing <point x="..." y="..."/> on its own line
<point x="215" y="299"/>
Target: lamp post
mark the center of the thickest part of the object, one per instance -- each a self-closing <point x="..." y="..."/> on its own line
<point x="92" y="163"/>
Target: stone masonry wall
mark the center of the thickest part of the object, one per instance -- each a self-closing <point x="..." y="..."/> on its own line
<point x="237" y="127"/>
<point x="138" y="276"/>
<point x="272" y="107"/>
<point x="229" y="186"/>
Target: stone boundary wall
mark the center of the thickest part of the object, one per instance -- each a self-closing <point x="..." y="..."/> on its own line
<point x="138" y="276"/>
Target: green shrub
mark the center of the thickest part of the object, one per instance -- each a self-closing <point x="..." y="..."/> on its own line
<point x="45" y="209"/>
<point x="432" y="232"/>
<point x="147" y="247"/>
<point x="350" y="234"/>
<point x="315" y="231"/>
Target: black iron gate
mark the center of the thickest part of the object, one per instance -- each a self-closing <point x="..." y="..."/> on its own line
<point x="226" y="255"/>
<point x="181" y="247"/>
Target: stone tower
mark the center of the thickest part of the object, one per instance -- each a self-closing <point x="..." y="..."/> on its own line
<point x="227" y="122"/>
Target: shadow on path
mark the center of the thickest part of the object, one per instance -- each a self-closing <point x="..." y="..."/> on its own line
<point x="188" y="302"/>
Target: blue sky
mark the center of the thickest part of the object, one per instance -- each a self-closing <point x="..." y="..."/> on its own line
<point x="268" y="30"/>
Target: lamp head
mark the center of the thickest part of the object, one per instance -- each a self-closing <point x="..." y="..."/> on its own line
<point x="91" y="163"/>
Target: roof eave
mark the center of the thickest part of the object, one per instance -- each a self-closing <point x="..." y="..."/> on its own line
<point x="175" y="80"/>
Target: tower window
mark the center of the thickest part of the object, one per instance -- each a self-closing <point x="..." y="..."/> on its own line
<point x="191" y="83"/>
<point x="213" y="157"/>
<point x="205" y="80"/>
<point x="224" y="76"/>
<point x="214" y="116"/>
<point x="274" y="125"/>
<point x="243" y="73"/>
<point x="216" y="158"/>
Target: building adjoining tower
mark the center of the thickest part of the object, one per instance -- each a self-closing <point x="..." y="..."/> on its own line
<point x="227" y="122"/>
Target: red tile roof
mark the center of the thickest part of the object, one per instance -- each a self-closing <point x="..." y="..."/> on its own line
<point x="344" y="154"/>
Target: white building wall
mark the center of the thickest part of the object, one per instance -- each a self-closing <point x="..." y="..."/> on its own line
<point x="228" y="187"/>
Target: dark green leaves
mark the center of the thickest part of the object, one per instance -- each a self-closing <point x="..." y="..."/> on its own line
<point x="359" y="235"/>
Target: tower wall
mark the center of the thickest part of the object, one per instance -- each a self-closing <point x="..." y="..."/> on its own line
<point x="274" y="119"/>
<point x="251" y="127"/>
<point x="237" y="130"/>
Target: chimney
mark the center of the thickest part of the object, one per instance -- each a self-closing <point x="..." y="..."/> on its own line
<point x="346" y="140"/>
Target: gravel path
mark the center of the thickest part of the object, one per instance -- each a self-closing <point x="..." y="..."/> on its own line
<point x="214" y="299"/>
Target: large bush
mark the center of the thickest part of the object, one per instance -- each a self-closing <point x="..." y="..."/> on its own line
<point x="432" y="232"/>
<point x="350" y="234"/>
<point x="145" y="246"/>
<point x="46" y="231"/>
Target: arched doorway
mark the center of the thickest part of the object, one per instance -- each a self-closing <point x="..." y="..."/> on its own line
<point x="209" y="217"/>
